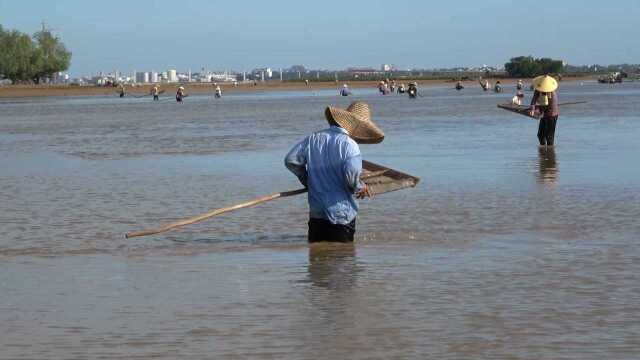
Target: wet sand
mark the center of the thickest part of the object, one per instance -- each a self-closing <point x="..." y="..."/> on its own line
<point x="18" y="91"/>
<point x="504" y="250"/>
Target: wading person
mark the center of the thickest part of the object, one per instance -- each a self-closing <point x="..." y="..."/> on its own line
<point x="345" y="90"/>
<point x="180" y="94"/>
<point x="485" y="85"/>
<point x="498" y="87"/>
<point x="517" y="98"/>
<point x="545" y="100"/>
<point x="328" y="163"/>
<point x="413" y="90"/>
<point x="218" y="92"/>
<point x="382" y="88"/>
<point x="155" y="91"/>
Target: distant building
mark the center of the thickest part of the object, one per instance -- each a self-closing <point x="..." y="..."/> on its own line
<point x="387" y="67"/>
<point x="172" y="76"/>
<point x="153" y="77"/>
<point x="142" y="77"/>
<point x="362" y="71"/>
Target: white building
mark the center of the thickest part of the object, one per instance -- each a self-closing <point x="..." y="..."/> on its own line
<point x="153" y="77"/>
<point x="386" y="67"/>
<point x="142" y="77"/>
<point x="172" y="76"/>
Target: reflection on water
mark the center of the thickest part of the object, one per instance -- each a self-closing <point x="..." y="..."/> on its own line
<point x="548" y="166"/>
<point x="333" y="266"/>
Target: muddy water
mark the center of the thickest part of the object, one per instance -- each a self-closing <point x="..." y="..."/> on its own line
<point x="504" y="251"/>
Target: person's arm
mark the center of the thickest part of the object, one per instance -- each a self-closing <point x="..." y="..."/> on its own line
<point x="534" y="101"/>
<point x="296" y="161"/>
<point x="352" y="170"/>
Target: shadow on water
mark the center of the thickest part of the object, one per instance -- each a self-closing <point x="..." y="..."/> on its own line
<point x="547" y="166"/>
<point x="333" y="266"/>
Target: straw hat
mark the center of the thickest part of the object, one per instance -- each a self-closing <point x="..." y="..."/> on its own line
<point x="181" y="88"/>
<point x="545" y="83"/>
<point x="356" y="119"/>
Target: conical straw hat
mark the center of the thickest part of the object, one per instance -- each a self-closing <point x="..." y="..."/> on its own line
<point x="545" y="83"/>
<point x="356" y="119"/>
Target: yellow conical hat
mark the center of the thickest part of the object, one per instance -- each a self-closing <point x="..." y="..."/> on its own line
<point x="545" y="83"/>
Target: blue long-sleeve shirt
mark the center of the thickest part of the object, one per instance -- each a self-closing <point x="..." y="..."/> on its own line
<point x="329" y="164"/>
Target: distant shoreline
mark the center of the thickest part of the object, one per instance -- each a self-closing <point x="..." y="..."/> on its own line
<point x="21" y="91"/>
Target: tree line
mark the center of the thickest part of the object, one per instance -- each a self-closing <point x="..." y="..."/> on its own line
<point x="527" y="66"/>
<point x="25" y="58"/>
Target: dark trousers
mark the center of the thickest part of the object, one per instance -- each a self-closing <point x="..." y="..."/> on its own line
<point x="324" y="230"/>
<point x="547" y="130"/>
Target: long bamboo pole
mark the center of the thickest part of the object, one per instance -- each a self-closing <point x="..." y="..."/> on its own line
<point x="223" y="210"/>
<point x="213" y="213"/>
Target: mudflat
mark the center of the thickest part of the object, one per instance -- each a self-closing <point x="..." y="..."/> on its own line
<point x="208" y="88"/>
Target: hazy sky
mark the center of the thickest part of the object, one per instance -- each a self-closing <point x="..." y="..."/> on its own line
<point x="241" y="35"/>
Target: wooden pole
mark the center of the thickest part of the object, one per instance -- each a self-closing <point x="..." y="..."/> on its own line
<point x="223" y="210"/>
<point x="213" y="213"/>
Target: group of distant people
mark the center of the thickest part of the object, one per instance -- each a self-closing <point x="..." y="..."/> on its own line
<point x="181" y="94"/>
<point x="386" y="87"/>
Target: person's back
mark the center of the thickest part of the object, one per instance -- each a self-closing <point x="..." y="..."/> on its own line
<point x="329" y="164"/>
<point x="333" y="165"/>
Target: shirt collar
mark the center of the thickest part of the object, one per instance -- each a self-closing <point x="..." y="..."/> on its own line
<point x="338" y="129"/>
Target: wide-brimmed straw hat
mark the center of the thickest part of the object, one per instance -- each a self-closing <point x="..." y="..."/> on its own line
<point x="181" y="87"/>
<point x="545" y="83"/>
<point x="356" y="119"/>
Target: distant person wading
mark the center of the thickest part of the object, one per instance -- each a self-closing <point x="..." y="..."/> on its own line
<point x="345" y="90"/>
<point x="180" y="94"/>
<point x="545" y="100"/>
<point x="329" y="164"/>
<point x="413" y="90"/>
<point x="155" y="91"/>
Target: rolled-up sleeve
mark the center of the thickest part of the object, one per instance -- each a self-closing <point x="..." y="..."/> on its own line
<point x="296" y="161"/>
<point x="352" y="169"/>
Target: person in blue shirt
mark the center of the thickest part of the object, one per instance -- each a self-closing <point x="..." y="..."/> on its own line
<point x="345" y="90"/>
<point x="329" y="164"/>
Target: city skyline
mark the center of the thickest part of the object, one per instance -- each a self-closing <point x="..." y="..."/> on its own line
<point x="159" y="35"/>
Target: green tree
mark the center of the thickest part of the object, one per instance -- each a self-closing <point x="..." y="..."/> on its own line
<point x="25" y="59"/>
<point x="54" y="56"/>
<point x="527" y="66"/>
<point x="19" y="56"/>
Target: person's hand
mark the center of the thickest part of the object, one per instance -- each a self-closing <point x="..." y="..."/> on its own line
<point x="532" y="112"/>
<point x="364" y="193"/>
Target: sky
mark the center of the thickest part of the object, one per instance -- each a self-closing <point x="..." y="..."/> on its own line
<point x="242" y="35"/>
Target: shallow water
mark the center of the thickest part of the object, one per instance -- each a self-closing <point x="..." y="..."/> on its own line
<point x="504" y="250"/>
